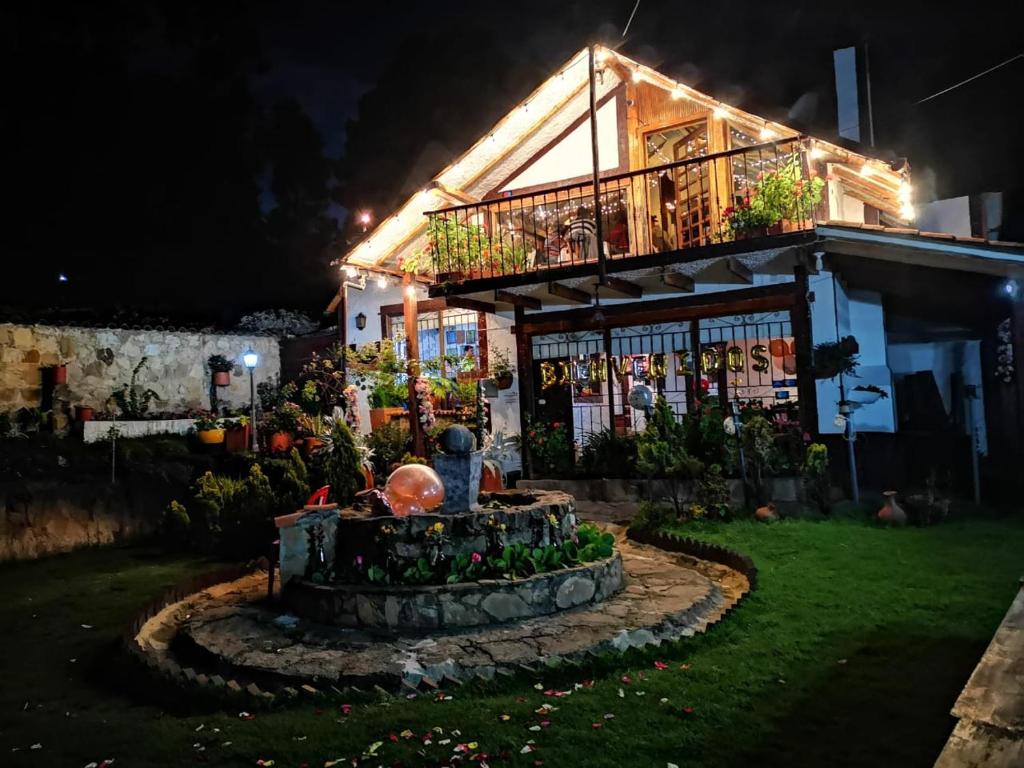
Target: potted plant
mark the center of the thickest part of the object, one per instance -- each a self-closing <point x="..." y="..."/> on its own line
<point x="832" y="358"/>
<point x="131" y="399"/>
<point x="866" y="394"/>
<point x="221" y="369"/>
<point x="59" y="374"/>
<point x="377" y="370"/>
<point x="779" y="201"/>
<point x="282" y="424"/>
<point x="209" y="429"/>
<point x="237" y="434"/>
<point x="501" y="368"/>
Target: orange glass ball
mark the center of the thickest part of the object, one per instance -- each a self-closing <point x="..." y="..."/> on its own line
<point x="414" y="489"/>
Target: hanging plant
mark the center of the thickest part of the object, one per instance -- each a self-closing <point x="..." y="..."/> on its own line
<point x="832" y="358"/>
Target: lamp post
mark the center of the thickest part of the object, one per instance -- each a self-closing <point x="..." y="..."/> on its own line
<point x="250" y="359"/>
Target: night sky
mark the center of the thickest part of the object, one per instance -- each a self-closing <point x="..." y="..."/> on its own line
<point x="199" y="162"/>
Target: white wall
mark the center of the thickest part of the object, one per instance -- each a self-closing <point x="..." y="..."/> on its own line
<point x="835" y="313"/>
<point x="952" y="216"/>
<point x="572" y="156"/>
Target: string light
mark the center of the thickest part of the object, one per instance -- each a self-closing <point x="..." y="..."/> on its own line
<point x="867" y="171"/>
<point x="637" y="76"/>
<point x="720" y="112"/>
<point x="767" y="133"/>
<point x="382" y="282"/>
<point x="677" y="94"/>
<point x="351" y="271"/>
<point x="817" y="153"/>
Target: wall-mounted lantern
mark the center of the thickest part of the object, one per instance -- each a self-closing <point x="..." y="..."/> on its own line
<point x="360" y="321"/>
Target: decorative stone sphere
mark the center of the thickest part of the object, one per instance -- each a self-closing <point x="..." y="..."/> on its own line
<point x="457" y="439"/>
<point x="414" y="489"/>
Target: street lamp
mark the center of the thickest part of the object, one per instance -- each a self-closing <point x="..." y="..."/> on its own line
<point x="250" y="359"/>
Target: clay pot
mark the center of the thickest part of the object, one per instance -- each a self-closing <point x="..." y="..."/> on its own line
<point x="84" y="412"/>
<point x="767" y="513"/>
<point x="891" y="512"/>
<point x="237" y="440"/>
<point x="280" y="442"/>
<point x="211" y="436"/>
<point x="59" y="374"/>
<point x="221" y="378"/>
<point x="381" y="416"/>
<point x="504" y="381"/>
<point x="490" y="477"/>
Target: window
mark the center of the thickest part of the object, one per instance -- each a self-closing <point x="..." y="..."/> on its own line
<point x="441" y="332"/>
<point x="680" y="197"/>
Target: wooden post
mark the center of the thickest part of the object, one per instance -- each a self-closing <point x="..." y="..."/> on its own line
<point x="343" y="325"/>
<point x="597" y="167"/>
<point x="412" y="362"/>
<point x="800" y="321"/>
<point x="610" y="373"/>
<point x="524" y="364"/>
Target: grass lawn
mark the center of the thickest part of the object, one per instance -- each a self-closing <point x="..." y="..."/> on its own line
<point x="851" y="652"/>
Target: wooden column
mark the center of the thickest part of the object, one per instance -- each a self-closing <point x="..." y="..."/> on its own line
<point x="524" y="364"/>
<point x="412" y="362"/>
<point x="343" y="326"/>
<point x="800" y="320"/>
<point x="610" y="372"/>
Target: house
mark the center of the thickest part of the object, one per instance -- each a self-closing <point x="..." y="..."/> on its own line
<point x="707" y="257"/>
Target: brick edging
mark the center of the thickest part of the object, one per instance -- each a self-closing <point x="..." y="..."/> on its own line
<point x="166" y="670"/>
<point x="702" y="550"/>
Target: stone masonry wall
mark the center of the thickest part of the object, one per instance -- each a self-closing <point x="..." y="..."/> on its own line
<point x="99" y="360"/>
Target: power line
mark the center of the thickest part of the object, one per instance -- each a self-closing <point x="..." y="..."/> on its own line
<point x="975" y="77"/>
<point x="631" y="18"/>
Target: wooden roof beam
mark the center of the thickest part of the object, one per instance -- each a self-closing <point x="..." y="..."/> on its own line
<point x="625" y="287"/>
<point x="569" y="294"/>
<point x="516" y="300"/>
<point x="679" y="281"/>
<point x="739" y="269"/>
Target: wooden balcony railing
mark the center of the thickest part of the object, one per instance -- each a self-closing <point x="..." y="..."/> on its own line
<point x="744" y="193"/>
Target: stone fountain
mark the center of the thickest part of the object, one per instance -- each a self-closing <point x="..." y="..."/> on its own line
<point x="340" y="566"/>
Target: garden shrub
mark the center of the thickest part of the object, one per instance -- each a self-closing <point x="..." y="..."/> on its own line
<point x="815" y="477"/>
<point x="289" y="478"/>
<point x="247" y="516"/>
<point x="174" y="528"/>
<point x="760" y="453"/>
<point x="705" y="436"/>
<point x="550" y="448"/>
<point x="609" y="454"/>
<point x="713" y="493"/>
<point x="388" y="443"/>
<point x="661" y="452"/>
<point x="342" y="465"/>
<point x="652" y="515"/>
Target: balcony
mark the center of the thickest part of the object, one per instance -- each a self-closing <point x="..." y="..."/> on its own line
<point x="671" y="210"/>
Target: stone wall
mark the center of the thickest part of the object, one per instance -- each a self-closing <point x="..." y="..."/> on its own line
<point x="99" y="360"/>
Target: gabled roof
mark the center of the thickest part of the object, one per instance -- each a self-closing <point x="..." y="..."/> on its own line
<point x="562" y="99"/>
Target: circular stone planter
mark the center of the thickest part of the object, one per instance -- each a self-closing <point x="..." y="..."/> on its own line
<point x="417" y="609"/>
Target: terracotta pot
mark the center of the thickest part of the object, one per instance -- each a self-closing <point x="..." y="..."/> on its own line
<point x="211" y="436"/>
<point x="766" y="513"/>
<point x="891" y="512"/>
<point x="310" y="445"/>
<point x="221" y="378"/>
<point x="490" y="476"/>
<point x="60" y="374"/>
<point x="84" y="412"/>
<point x="467" y="376"/>
<point x="381" y="416"/>
<point x="280" y="442"/>
<point x="504" y="381"/>
<point x="238" y="439"/>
